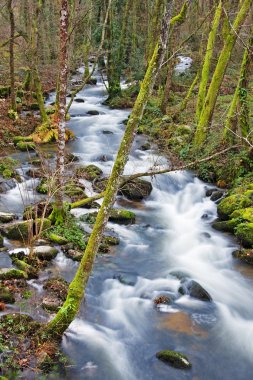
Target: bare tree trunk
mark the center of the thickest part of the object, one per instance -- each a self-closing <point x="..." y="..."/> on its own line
<point x="76" y="289"/>
<point x="58" y="213"/>
<point x="11" y="51"/>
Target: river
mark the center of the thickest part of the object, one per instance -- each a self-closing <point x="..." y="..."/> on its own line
<point x="119" y="330"/>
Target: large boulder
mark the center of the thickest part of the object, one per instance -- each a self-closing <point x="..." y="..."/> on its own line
<point x="174" y="359"/>
<point x="122" y="216"/>
<point x="18" y="230"/>
<point x="136" y="190"/>
<point x="11" y="274"/>
<point x="194" y="289"/>
<point x="45" y="252"/>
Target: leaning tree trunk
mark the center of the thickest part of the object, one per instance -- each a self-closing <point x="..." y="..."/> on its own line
<point x="58" y="213"/>
<point x="212" y="94"/>
<point x="207" y="61"/>
<point x="76" y="289"/>
<point x="11" y="51"/>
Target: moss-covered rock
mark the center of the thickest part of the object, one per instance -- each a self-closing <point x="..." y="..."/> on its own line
<point x="18" y="139"/>
<point x="122" y="216"/>
<point x="31" y="271"/>
<point x="136" y="190"/>
<point x="174" y="359"/>
<point x="111" y="240"/>
<point x="6" y="217"/>
<point x="243" y="215"/>
<point x="25" y="146"/>
<point x="89" y="172"/>
<point x="225" y="225"/>
<point x="18" y="230"/>
<point x="51" y="303"/>
<point x="244" y="233"/>
<point x="45" y="252"/>
<point x="245" y="255"/>
<point x="6" y="295"/>
<point x="10" y="274"/>
<point x="57" y="239"/>
<point x="74" y="255"/>
<point x="234" y="202"/>
<point x="57" y="286"/>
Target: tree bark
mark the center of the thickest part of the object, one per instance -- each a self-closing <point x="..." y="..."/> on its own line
<point x="11" y="52"/>
<point x="58" y="213"/>
<point x="212" y="94"/>
<point x="76" y="289"/>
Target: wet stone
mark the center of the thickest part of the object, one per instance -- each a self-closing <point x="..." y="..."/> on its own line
<point x="174" y="359"/>
<point x="195" y="290"/>
<point x="6" y="217"/>
<point x="45" y="252"/>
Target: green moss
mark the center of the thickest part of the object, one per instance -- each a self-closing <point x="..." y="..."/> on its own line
<point x="122" y="216"/>
<point x="6" y="295"/>
<point x="57" y="239"/>
<point x="226" y="226"/>
<point x="11" y="274"/>
<point x="43" y="187"/>
<point x="234" y="202"/>
<point x="245" y="214"/>
<point x="90" y="172"/>
<point x="18" y="139"/>
<point x="19" y="230"/>
<point x="5" y="91"/>
<point x="244" y="233"/>
<point x="175" y="359"/>
<point x="25" y="146"/>
<point x="111" y="240"/>
<point x="7" y="166"/>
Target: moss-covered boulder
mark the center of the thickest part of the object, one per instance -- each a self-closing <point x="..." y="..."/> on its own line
<point x="25" y="146"/>
<point x="18" y="230"/>
<point x="74" y="255"/>
<point x="11" y="274"/>
<point x="136" y="190"/>
<point x="174" y="359"/>
<point x="243" y="215"/>
<point x="6" y="217"/>
<point x="6" y="295"/>
<point x="32" y="272"/>
<point x="122" y="216"/>
<point x="225" y="225"/>
<point x="234" y="202"/>
<point x="74" y="192"/>
<point x="111" y="240"/>
<point x="89" y="172"/>
<point x="245" y="255"/>
<point x="244" y="233"/>
<point x="45" y="252"/>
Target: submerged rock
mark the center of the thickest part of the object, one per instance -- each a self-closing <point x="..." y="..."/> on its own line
<point x="194" y="289"/>
<point x="93" y="113"/>
<point x="79" y="100"/>
<point x="126" y="278"/>
<point x="245" y="255"/>
<point x="174" y="359"/>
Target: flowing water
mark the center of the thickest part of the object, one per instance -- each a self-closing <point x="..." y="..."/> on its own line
<point x="118" y="330"/>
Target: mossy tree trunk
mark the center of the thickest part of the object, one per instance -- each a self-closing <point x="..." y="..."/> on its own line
<point x="11" y="53"/>
<point x="58" y="213"/>
<point x="212" y="94"/>
<point x="76" y="289"/>
<point x="207" y="61"/>
<point x="237" y="121"/>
